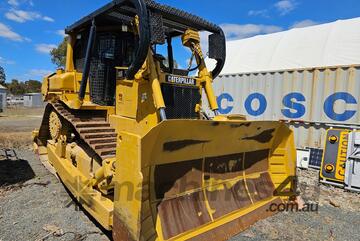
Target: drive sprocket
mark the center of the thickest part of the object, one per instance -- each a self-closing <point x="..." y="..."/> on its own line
<point x="55" y="126"/>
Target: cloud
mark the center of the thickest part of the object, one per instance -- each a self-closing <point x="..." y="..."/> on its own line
<point x="238" y="31"/>
<point x="304" y="23"/>
<point x="6" y="61"/>
<point x="46" y="18"/>
<point x="261" y="13"/>
<point x="6" y="32"/>
<point x="13" y="3"/>
<point x="285" y="6"/>
<point x="16" y="3"/>
<point x="36" y="73"/>
<point x="61" y="33"/>
<point x="22" y="16"/>
<point x="45" y="48"/>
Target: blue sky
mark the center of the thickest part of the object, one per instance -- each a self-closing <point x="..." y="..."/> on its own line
<point x="30" y="28"/>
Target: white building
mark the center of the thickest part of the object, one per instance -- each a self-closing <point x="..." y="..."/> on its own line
<point x="33" y="100"/>
<point x="2" y="98"/>
<point x="14" y="100"/>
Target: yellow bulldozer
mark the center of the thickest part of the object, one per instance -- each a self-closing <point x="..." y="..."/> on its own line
<point x="126" y="131"/>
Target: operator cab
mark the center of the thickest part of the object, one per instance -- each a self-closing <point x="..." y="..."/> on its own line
<point x="120" y="34"/>
<point x="112" y="47"/>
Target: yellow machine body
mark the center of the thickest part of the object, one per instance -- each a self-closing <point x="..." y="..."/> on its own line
<point x="187" y="178"/>
<point x="170" y="179"/>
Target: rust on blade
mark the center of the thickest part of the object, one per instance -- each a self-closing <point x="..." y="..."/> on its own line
<point x="228" y="200"/>
<point x="260" y="188"/>
<point x="238" y="196"/>
<point x="183" y="213"/>
<point x="184" y="202"/>
<point x="228" y="230"/>
<point x="120" y="231"/>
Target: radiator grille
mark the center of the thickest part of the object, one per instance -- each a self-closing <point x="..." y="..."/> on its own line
<point x="180" y="101"/>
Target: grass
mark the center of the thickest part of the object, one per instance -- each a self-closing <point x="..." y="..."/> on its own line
<point x="15" y="139"/>
<point x="16" y="125"/>
<point x="22" y="111"/>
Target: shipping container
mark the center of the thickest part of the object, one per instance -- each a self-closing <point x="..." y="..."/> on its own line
<point x="312" y="99"/>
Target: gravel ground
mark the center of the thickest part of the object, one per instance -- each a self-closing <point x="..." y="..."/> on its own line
<point x="34" y="205"/>
<point x="337" y="216"/>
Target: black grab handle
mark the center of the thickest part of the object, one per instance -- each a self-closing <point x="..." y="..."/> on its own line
<point x="86" y="68"/>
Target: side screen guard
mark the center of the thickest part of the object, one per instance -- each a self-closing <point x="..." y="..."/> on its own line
<point x="157" y="29"/>
<point x="217" y="51"/>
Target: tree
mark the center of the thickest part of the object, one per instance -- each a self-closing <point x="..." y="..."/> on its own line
<point x="2" y="76"/>
<point x="19" y="88"/>
<point x="16" y="87"/>
<point x="33" y="86"/>
<point x="58" y="55"/>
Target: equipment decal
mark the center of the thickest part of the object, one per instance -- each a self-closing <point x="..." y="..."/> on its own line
<point x="181" y="80"/>
<point x="341" y="156"/>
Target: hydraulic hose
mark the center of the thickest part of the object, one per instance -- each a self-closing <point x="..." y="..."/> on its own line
<point x="144" y="38"/>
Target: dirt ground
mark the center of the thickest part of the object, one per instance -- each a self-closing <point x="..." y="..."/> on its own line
<point x="34" y="204"/>
<point x="16" y="125"/>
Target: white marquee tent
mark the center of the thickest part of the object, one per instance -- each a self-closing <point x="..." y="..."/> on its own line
<point x="332" y="44"/>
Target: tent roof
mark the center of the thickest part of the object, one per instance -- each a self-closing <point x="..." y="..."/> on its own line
<point x="3" y="87"/>
<point x="332" y="44"/>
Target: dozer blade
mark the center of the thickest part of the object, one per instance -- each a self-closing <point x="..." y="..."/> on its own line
<point x="201" y="180"/>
